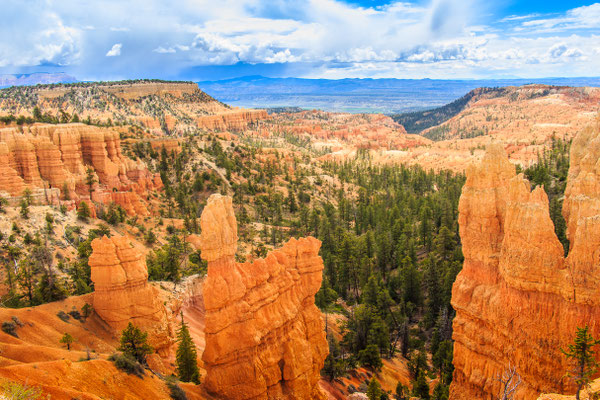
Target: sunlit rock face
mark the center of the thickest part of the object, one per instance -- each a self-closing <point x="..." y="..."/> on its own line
<point x="55" y="158"/>
<point x="122" y="293"/>
<point x="264" y="335"/>
<point x="517" y="299"/>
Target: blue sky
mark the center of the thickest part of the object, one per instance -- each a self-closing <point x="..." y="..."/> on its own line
<point x="208" y="39"/>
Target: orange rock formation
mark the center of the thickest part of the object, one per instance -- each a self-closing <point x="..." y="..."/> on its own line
<point x="517" y="299"/>
<point x="122" y="293"/>
<point x="264" y="335"/>
<point x="56" y="157"/>
<point x="236" y="120"/>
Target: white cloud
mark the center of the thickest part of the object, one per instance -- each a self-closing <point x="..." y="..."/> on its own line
<point x="164" y="50"/>
<point x="115" y="50"/>
<point x="402" y="39"/>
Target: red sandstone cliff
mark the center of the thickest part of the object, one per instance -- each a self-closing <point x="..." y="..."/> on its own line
<point x="56" y="157"/>
<point x="517" y="299"/>
<point x="264" y="335"/>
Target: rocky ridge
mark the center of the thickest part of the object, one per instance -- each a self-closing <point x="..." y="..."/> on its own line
<point x="156" y="106"/>
<point x="264" y="335"/>
<point x="518" y="300"/>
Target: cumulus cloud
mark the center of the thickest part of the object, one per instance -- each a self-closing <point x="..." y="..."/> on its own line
<point x="115" y="50"/>
<point x="436" y="38"/>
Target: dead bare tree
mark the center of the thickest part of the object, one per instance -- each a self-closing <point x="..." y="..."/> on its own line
<point x="510" y="381"/>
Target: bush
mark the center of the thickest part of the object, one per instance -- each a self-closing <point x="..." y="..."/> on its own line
<point x="10" y="328"/>
<point x="86" y="310"/>
<point x="128" y="364"/>
<point x="63" y="315"/>
<point x="83" y="212"/>
<point x="17" y="391"/>
<point x="176" y="391"/>
<point x="76" y="315"/>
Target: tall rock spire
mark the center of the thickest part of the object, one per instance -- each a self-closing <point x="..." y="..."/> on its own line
<point x="264" y="334"/>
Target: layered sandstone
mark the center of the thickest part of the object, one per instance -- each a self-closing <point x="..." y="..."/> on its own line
<point x="235" y="120"/>
<point x="517" y="299"/>
<point x="122" y="293"/>
<point x="264" y="334"/>
<point x="57" y="157"/>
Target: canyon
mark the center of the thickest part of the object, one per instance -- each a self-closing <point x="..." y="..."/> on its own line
<point x="518" y="300"/>
<point x="255" y="325"/>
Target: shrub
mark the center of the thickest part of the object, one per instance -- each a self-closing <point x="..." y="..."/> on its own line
<point x="176" y="391"/>
<point x="75" y="314"/>
<point x="83" y="212"/>
<point x="63" y="315"/>
<point x="17" y="321"/>
<point x="10" y="328"/>
<point x="127" y="363"/>
<point x="17" y="391"/>
<point x="86" y="310"/>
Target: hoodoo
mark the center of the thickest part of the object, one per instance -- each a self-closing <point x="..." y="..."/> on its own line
<point x="122" y="292"/>
<point x="518" y="300"/>
<point x="264" y="334"/>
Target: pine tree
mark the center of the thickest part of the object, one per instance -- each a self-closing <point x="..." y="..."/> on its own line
<point x="421" y="388"/>
<point x="582" y="355"/>
<point x="90" y="180"/>
<point x="186" y="357"/>
<point x="83" y="211"/>
<point x="134" y="343"/>
<point x="374" y="391"/>
<point x="333" y="366"/>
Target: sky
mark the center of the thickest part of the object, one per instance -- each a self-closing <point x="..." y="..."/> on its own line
<point x="221" y="39"/>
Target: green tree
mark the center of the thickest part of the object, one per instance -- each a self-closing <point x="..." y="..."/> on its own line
<point x="24" y="209"/>
<point x="333" y="366"/>
<point x="26" y="278"/>
<point x="581" y="354"/>
<point x="3" y="203"/>
<point x="37" y="114"/>
<point x="374" y="391"/>
<point x="134" y="343"/>
<point x="402" y="392"/>
<point x="83" y="211"/>
<point x="67" y="339"/>
<point x="441" y="392"/>
<point x="420" y="387"/>
<point x="186" y="357"/>
<point x="90" y="180"/>
<point x="370" y="357"/>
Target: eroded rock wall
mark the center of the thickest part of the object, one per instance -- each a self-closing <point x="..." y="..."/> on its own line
<point x="517" y="299"/>
<point x="264" y="335"/>
<point x="57" y="156"/>
<point x="122" y="293"/>
<point x="236" y="120"/>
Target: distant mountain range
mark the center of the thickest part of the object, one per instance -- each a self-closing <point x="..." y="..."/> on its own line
<point x="389" y="96"/>
<point x="34" y="79"/>
<point x="359" y="95"/>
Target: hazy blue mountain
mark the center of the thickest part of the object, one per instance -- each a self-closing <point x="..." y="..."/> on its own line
<point x="358" y="95"/>
<point x="34" y="79"/>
